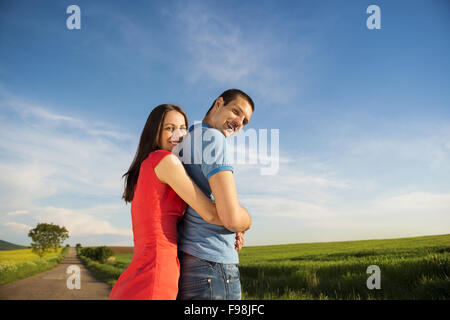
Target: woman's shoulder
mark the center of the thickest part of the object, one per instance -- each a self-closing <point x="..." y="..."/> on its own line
<point x="159" y="153"/>
<point x="155" y="157"/>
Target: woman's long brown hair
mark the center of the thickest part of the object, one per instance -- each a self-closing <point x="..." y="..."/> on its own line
<point x="148" y="143"/>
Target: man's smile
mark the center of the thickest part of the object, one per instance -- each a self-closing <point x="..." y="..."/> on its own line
<point x="230" y="128"/>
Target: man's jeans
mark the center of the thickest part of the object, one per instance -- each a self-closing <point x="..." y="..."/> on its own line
<point x="206" y="280"/>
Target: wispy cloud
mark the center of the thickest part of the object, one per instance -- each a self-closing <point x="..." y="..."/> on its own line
<point x="403" y="214"/>
<point x="223" y="52"/>
<point x="282" y="207"/>
<point x="299" y="179"/>
<point x="323" y="197"/>
<point x="17" y="212"/>
<point x="79" y="223"/>
<point x="292" y="220"/>
<point x="17" y="227"/>
<point x="424" y="143"/>
<point x="414" y="204"/>
<point x="46" y="154"/>
<point x="217" y="46"/>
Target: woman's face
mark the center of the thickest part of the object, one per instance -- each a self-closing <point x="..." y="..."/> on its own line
<point x="172" y="121"/>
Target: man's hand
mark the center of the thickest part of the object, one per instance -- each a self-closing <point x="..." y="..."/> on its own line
<point x="239" y="241"/>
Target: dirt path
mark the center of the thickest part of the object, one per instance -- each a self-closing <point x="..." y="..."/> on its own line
<point x="52" y="284"/>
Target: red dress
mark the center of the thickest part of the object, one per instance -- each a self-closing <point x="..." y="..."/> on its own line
<point x="155" y="210"/>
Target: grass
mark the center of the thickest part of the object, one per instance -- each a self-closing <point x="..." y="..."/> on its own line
<point x="411" y="268"/>
<point x="19" y="264"/>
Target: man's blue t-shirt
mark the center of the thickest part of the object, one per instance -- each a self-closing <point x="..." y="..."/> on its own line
<point x="204" y="153"/>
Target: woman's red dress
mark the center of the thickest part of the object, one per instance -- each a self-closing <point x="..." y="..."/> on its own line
<point x="155" y="210"/>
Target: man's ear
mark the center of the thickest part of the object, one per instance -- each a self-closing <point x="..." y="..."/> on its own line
<point x="219" y="103"/>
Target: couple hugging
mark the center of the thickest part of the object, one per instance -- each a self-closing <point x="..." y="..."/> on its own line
<point x="188" y="224"/>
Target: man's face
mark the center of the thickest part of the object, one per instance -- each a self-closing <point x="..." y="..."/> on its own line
<point x="232" y="117"/>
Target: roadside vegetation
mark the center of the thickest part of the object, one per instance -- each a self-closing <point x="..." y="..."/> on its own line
<point x="100" y="262"/>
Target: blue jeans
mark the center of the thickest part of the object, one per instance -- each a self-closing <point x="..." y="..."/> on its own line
<point x="206" y="280"/>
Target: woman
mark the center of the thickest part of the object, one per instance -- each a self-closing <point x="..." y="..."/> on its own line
<point x="156" y="185"/>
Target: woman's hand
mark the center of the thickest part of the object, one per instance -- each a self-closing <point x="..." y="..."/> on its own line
<point x="239" y="241"/>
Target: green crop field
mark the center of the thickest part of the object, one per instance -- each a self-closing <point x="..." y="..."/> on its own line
<point x="410" y="268"/>
<point x="25" y="255"/>
<point x="22" y="263"/>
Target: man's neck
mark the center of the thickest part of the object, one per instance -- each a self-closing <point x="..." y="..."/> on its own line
<point x="208" y="121"/>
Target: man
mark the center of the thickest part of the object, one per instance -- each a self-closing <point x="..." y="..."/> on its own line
<point x="208" y="259"/>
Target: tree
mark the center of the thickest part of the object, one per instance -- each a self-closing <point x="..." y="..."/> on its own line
<point x="46" y="236"/>
<point x="59" y="235"/>
<point x="103" y="253"/>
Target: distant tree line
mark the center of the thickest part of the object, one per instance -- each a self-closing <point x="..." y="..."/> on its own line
<point x="100" y="254"/>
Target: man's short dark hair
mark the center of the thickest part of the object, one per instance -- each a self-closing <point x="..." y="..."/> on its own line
<point x="232" y="94"/>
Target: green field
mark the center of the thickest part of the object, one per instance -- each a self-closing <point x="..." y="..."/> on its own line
<point x="23" y="263"/>
<point x="411" y="268"/>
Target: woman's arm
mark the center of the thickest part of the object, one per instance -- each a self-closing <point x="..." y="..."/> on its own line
<point x="170" y="170"/>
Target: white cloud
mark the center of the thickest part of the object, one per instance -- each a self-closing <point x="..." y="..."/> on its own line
<point x="17" y="212"/>
<point x="425" y="144"/>
<point x="221" y="51"/>
<point x="80" y="223"/>
<point x="414" y="213"/>
<point x="288" y="220"/>
<point x="217" y="47"/>
<point x="17" y="227"/>
<point x="412" y="204"/>
<point x="274" y="206"/>
<point x="55" y="147"/>
<point x="46" y="154"/>
<point x="41" y="116"/>
<point x="298" y="179"/>
<point x="325" y="205"/>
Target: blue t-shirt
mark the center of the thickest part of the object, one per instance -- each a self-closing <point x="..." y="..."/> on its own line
<point x="204" y="153"/>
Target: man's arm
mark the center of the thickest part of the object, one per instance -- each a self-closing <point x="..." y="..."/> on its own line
<point x="233" y="216"/>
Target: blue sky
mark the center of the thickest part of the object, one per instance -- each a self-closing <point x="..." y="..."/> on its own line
<point x="363" y="115"/>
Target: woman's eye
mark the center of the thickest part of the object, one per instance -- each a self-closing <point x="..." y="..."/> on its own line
<point x="169" y="129"/>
